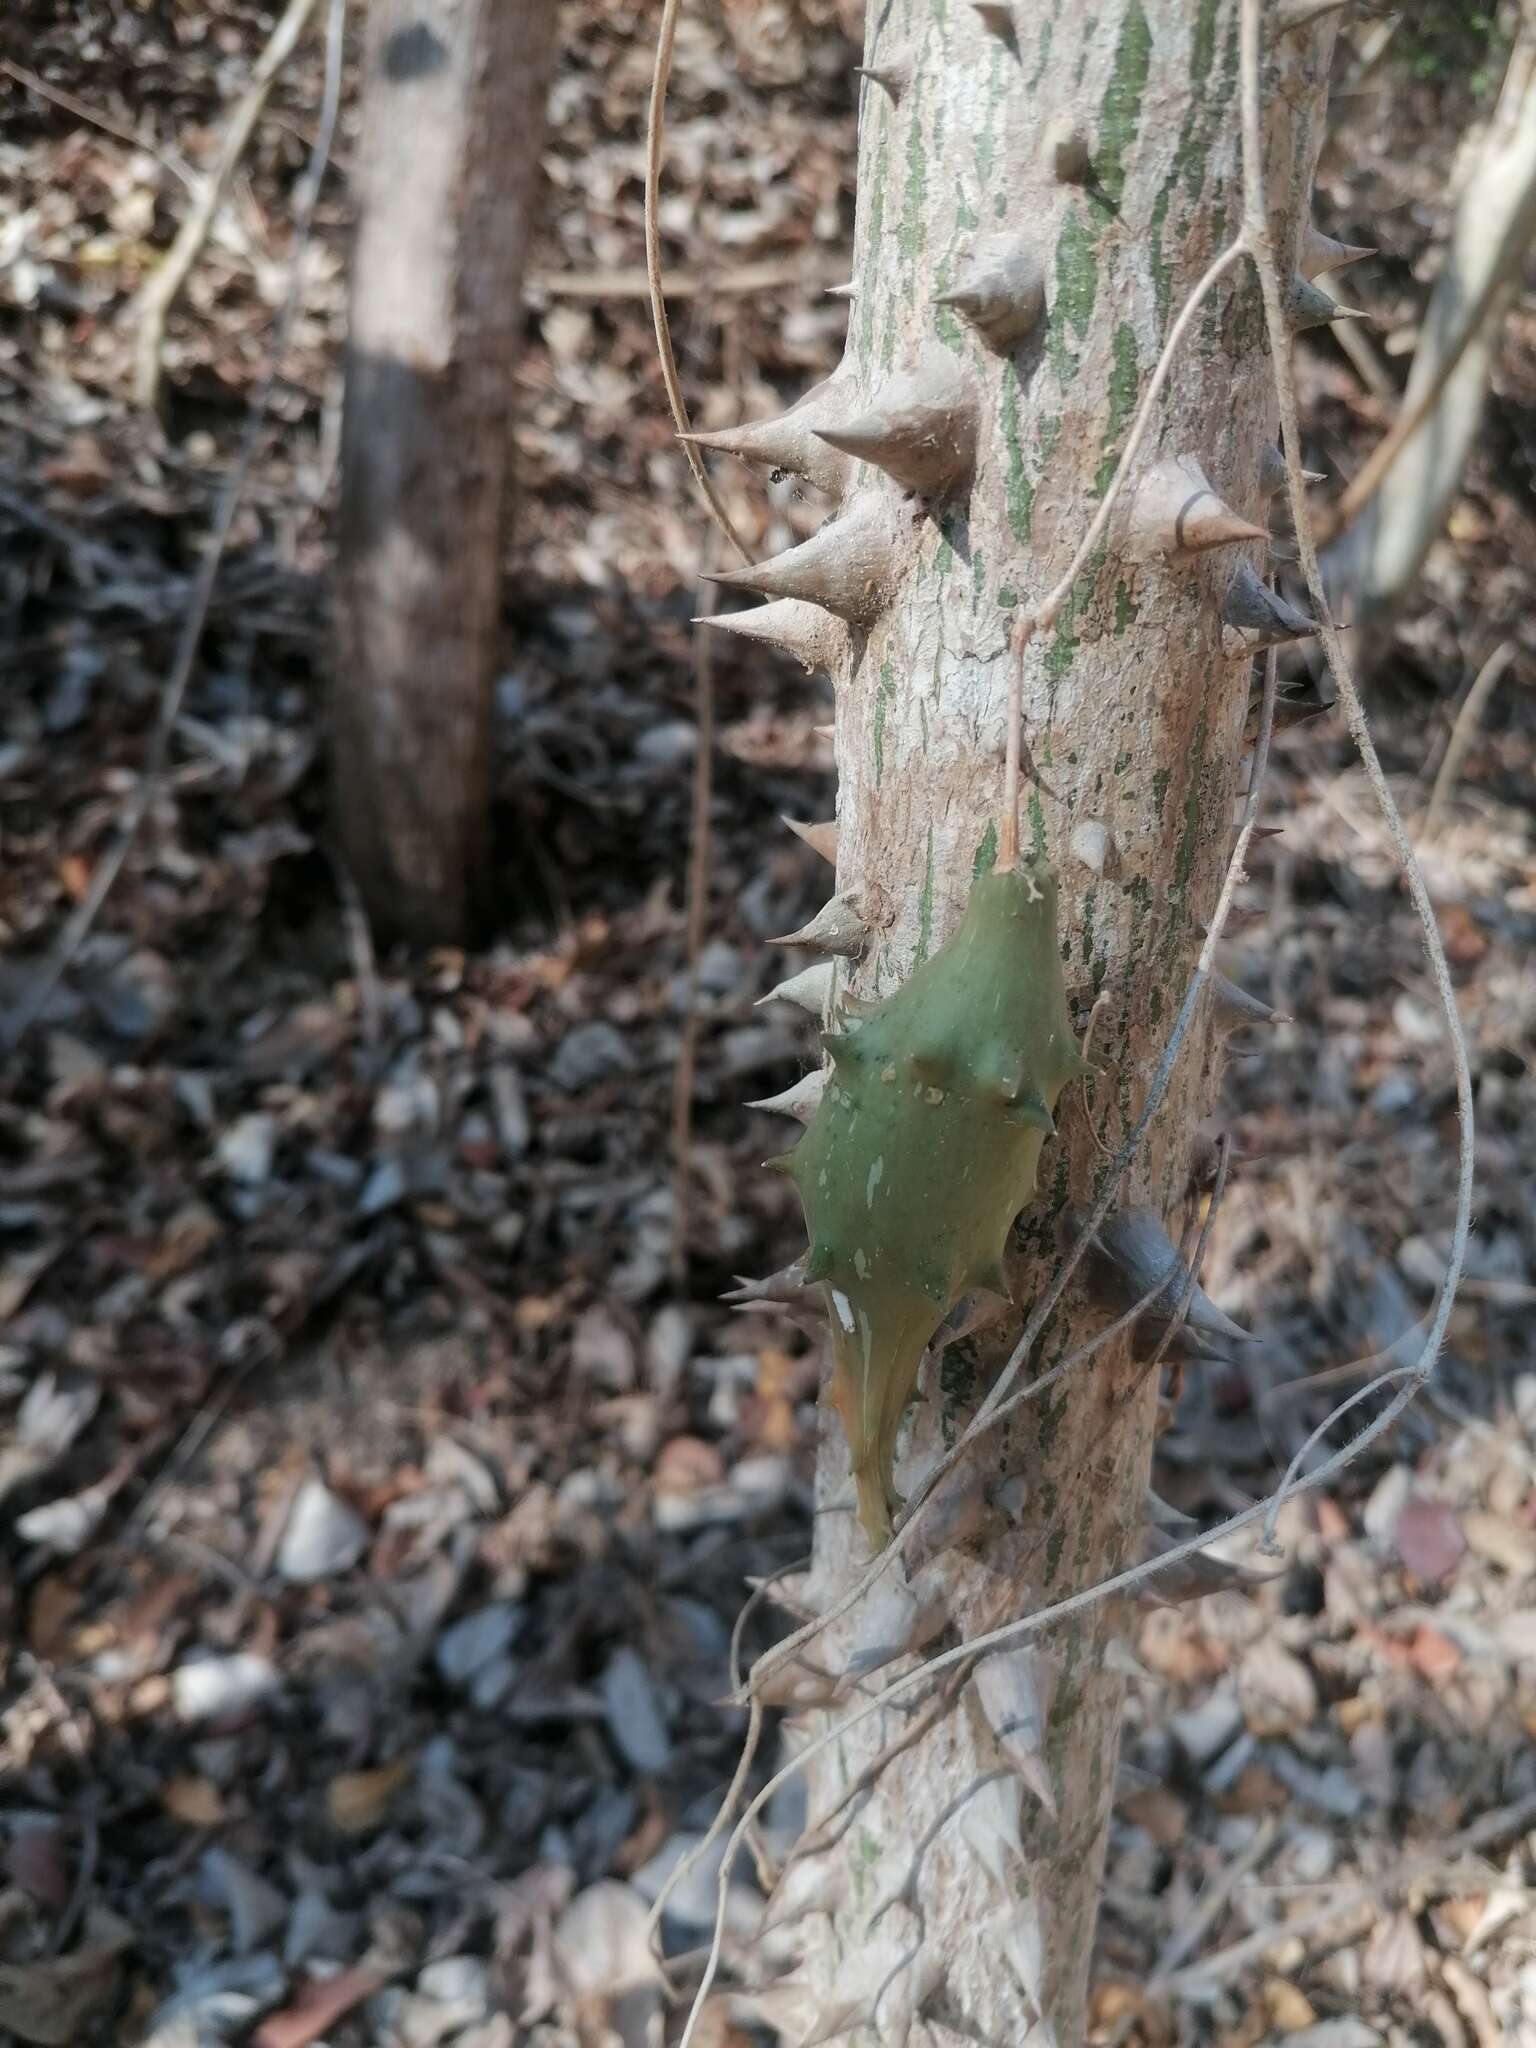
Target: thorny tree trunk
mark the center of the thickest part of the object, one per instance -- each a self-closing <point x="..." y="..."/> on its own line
<point x="453" y="113"/>
<point x="1100" y="145"/>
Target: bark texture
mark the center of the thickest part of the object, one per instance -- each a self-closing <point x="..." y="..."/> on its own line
<point x="453" y="113"/>
<point x="1039" y="186"/>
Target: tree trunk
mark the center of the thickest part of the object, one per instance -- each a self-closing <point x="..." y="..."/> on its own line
<point x="1094" y="151"/>
<point x="453" y="114"/>
<point x="1378" y="561"/>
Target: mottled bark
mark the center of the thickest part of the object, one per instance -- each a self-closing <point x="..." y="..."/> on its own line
<point x="1094" y="152"/>
<point x="453" y="113"/>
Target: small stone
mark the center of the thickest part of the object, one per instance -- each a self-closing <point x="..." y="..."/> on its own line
<point x="1202" y="1732"/>
<point x="1397" y="1092"/>
<point x="462" y="1983"/>
<point x="1277" y="1691"/>
<point x="135" y="997"/>
<point x="477" y="1641"/>
<point x="668" y="1345"/>
<point x="667" y="745"/>
<point x="1381" y="1512"/>
<point x="213" y="1688"/>
<point x="602" y="1941"/>
<point x="245" y="1151"/>
<point x="322" y="1536"/>
<point x="1505" y="1544"/>
<point x="256" y="1909"/>
<point x="509" y="1110"/>
<point x="603" y="1351"/>
<point x="588" y="1054"/>
<point x="636" y="1724"/>
<point x="1428" y="1538"/>
<point x="385" y="1188"/>
<point x="692" y="1902"/>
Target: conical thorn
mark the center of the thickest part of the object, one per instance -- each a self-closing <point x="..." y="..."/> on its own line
<point x="820" y="839"/>
<point x="843" y="291"/>
<point x="1175" y="511"/>
<point x="788" y="441"/>
<point x="892" y="74"/>
<point x="1272" y="471"/>
<point x="997" y="19"/>
<point x="1308" y="306"/>
<point x="848" y="567"/>
<point x="920" y="428"/>
<point x="809" y="990"/>
<point x="1065" y="151"/>
<point x="837" y="928"/>
<point x="800" y="1101"/>
<point x="1000" y="290"/>
<point x="1321" y="253"/>
<point x="1260" y="614"/>
<point x="812" y="636"/>
<point x="1234" y="1007"/>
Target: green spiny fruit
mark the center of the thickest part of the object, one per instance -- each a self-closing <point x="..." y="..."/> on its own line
<point x="923" y="1151"/>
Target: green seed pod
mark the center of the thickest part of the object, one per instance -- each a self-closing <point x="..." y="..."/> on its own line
<point x="924" y="1149"/>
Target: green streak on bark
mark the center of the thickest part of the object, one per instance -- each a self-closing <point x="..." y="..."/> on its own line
<point x="986" y="853"/>
<point x="1194" y="145"/>
<point x="914" y="211"/>
<point x="878" y="175"/>
<point x="1125" y="609"/>
<point x="1120" y="112"/>
<point x="925" y="906"/>
<point x="1044" y="57"/>
<point x="1160" y="781"/>
<point x="884" y="692"/>
<point x="1037" y="821"/>
<point x="1021" y="492"/>
<point x="1090" y="904"/>
<point x="1189" y="838"/>
<point x="1077" y="283"/>
<point x="1124" y="384"/>
<point x="1090" y="23"/>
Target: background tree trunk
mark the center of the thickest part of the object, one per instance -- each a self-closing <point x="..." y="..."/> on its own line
<point x="1105" y="142"/>
<point x="453" y="115"/>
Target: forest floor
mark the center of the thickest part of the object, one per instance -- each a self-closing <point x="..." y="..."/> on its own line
<point x="377" y="1491"/>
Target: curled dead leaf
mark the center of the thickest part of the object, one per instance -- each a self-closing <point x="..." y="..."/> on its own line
<point x="195" y="1802"/>
<point x="357" y="1801"/>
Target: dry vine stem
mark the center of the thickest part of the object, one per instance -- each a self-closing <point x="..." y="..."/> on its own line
<point x="924" y="444"/>
<point x="34" y="999"/>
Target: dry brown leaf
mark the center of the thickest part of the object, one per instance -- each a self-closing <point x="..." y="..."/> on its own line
<point x="684" y="1464"/>
<point x="52" y="2002"/>
<point x="357" y="1801"/>
<point x="195" y="1802"/>
<point x="317" y="2007"/>
<point x="1428" y="1538"/>
<point x="1435" y="1656"/>
<point x="1255" y="1790"/>
<point x="1288" y="2006"/>
<point x="1161" y="1812"/>
<point x="1277" y="1691"/>
<point x="54" y="1606"/>
<point x="1354" y="1712"/>
<point x="1503" y="1543"/>
<point x="1122" y="2012"/>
